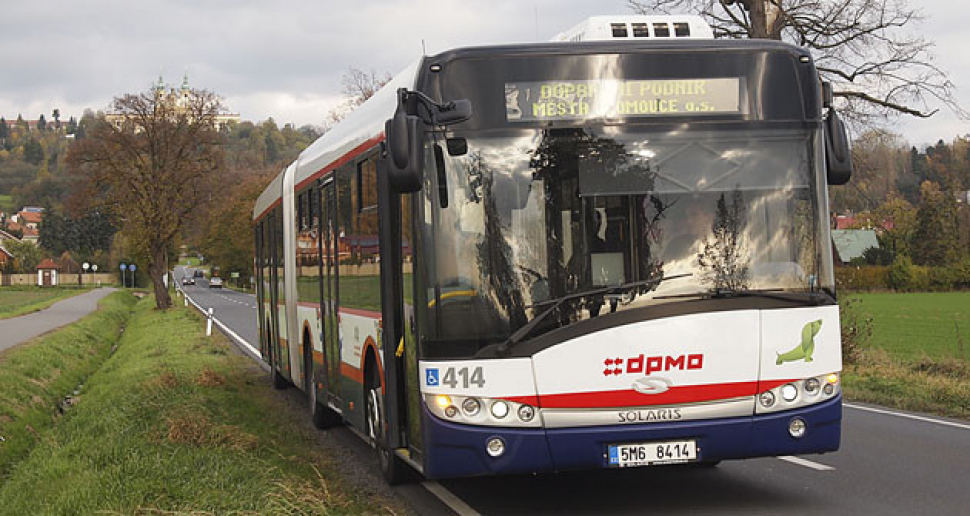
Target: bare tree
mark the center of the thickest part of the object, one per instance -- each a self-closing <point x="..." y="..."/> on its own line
<point x="358" y="87"/>
<point x="878" y="70"/>
<point x="151" y="161"/>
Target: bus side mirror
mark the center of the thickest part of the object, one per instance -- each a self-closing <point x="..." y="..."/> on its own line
<point x="404" y="136"/>
<point x="838" y="157"/>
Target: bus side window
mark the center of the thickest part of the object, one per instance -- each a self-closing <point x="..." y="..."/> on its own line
<point x="366" y="240"/>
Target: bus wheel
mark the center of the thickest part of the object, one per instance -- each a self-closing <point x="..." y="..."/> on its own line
<point x="394" y="470"/>
<point x="279" y="382"/>
<point x="323" y="416"/>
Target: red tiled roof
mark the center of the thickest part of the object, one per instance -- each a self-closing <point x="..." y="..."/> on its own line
<point x="48" y="264"/>
<point x="31" y="216"/>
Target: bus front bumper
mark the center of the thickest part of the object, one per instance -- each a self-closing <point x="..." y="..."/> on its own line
<point x="455" y="450"/>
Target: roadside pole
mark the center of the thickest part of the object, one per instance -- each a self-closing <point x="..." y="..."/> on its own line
<point x="208" y="324"/>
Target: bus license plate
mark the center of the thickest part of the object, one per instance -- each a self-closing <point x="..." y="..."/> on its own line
<point x="646" y="454"/>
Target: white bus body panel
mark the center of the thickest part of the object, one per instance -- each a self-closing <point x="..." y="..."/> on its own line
<point x="689" y="367"/>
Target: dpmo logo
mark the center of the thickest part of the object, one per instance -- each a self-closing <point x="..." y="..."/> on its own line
<point x="645" y="365"/>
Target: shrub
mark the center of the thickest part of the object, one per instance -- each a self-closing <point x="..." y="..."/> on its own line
<point x="901" y="273"/>
<point x="856" y="329"/>
<point x="862" y="279"/>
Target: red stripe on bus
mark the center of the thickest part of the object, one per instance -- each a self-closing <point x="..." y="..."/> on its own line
<point x="341" y="161"/>
<point x="352" y="372"/>
<point x="357" y="311"/>
<point x="632" y="398"/>
<point x="267" y="210"/>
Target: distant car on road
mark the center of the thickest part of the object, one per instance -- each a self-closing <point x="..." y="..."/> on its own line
<point x="215" y="282"/>
<point x="198" y="274"/>
<point x="188" y="280"/>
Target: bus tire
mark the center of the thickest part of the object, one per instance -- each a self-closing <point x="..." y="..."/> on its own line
<point x="279" y="382"/>
<point x="393" y="469"/>
<point x="323" y="417"/>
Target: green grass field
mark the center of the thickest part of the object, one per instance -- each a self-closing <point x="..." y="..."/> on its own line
<point x="6" y="203"/>
<point x="20" y="300"/>
<point x="917" y="325"/>
<point x="178" y="423"/>
<point x="35" y="377"/>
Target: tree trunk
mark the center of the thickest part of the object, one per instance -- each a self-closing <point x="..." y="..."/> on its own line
<point x="759" y="20"/>
<point x="157" y="270"/>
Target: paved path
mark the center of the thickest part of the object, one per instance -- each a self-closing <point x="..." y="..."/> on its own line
<point x="20" y="329"/>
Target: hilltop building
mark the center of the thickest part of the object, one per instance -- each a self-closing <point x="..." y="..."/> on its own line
<point x="177" y="96"/>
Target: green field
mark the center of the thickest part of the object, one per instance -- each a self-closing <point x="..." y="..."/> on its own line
<point x="19" y="300"/>
<point x="6" y="203"/>
<point x="918" y="325"/>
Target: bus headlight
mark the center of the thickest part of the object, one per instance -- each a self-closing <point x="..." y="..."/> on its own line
<point x="471" y="406"/>
<point x="500" y="409"/>
<point x="495" y="447"/>
<point x="796" y="427"/>
<point x="526" y="413"/>
<point x="767" y="399"/>
<point x="811" y="386"/>
<point x="789" y="392"/>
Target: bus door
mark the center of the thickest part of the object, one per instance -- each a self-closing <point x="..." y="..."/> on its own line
<point x="328" y="279"/>
<point x="273" y="277"/>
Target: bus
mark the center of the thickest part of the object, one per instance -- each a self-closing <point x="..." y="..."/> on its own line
<point x="607" y="251"/>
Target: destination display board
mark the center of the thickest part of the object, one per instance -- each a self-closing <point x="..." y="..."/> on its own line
<point x="620" y="98"/>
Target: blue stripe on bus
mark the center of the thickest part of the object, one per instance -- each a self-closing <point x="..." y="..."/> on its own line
<point x="453" y="450"/>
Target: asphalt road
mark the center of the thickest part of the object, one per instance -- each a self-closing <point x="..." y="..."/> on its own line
<point x="890" y="463"/>
<point x="20" y="329"/>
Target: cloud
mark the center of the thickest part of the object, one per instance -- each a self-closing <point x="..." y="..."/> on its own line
<point x="285" y="58"/>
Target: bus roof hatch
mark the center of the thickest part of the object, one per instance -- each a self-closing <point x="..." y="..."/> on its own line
<point x="637" y="27"/>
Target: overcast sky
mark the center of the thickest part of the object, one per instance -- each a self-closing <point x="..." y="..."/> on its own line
<point x="284" y="58"/>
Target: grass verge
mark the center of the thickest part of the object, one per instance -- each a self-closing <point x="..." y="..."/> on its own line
<point x="36" y="376"/>
<point x="937" y="386"/>
<point x="177" y="422"/>
<point x="908" y="351"/>
<point x="20" y="300"/>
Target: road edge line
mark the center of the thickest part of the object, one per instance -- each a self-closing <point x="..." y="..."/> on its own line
<point x="450" y="499"/>
<point x="909" y="416"/>
<point x="806" y="463"/>
<point x="246" y="346"/>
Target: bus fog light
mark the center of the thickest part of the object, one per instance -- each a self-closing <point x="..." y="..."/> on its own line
<point x="471" y="406"/>
<point x="767" y="399"/>
<point x="828" y="389"/>
<point x="500" y="409"/>
<point x="526" y="413"/>
<point x="451" y="411"/>
<point x="796" y="427"/>
<point x="495" y="447"/>
<point x="789" y="392"/>
<point x="811" y="386"/>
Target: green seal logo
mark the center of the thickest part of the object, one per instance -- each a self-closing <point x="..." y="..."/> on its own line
<point x="805" y="349"/>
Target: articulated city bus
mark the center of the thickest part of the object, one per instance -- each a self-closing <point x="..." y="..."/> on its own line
<point x="600" y="252"/>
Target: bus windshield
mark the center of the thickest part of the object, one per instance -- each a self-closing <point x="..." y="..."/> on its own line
<point x="528" y="216"/>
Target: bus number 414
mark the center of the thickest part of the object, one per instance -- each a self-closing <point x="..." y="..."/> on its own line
<point x="476" y="377"/>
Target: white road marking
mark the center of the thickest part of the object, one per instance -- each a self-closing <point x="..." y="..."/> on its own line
<point x="910" y="416"/>
<point x="225" y="328"/>
<point x="806" y="463"/>
<point x="448" y="498"/>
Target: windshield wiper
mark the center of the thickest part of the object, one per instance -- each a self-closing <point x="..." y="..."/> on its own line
<point x="525" y="330"/>
<point x="814" y="298"/>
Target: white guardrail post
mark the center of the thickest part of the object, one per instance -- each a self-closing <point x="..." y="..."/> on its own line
<point x="208" y="324"/>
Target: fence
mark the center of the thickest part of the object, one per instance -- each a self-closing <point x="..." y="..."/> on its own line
<point x="102" y="278"/>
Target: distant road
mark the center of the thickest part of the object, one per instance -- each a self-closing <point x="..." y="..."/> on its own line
<point x="16" y="330"/>
<point x="891" y="462"/>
